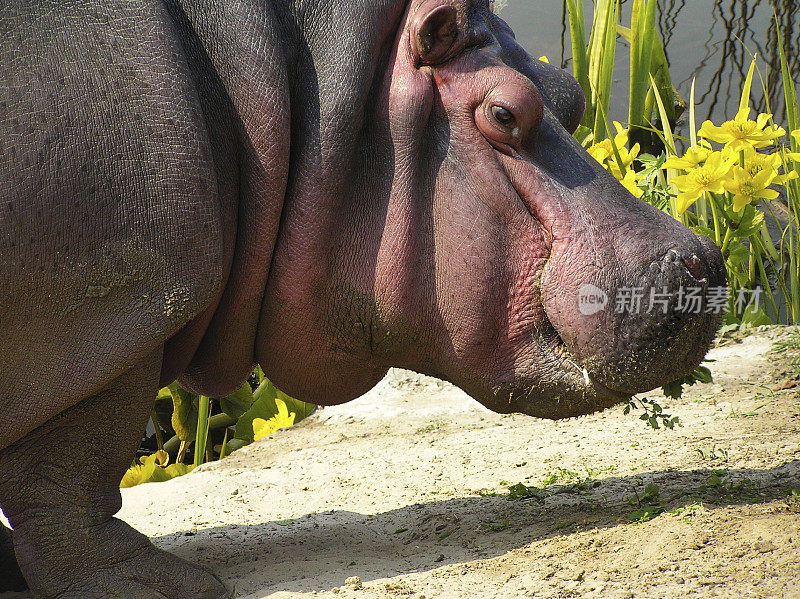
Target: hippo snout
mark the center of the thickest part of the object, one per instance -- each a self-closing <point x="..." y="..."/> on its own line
<point x="657" y="326"/>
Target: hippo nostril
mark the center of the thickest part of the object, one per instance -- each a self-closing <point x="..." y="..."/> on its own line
<point x="695" y="267"/>
<point x="691" y="262"/>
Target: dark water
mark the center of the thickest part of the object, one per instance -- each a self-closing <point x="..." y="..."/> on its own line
<point x="704" y="39"/>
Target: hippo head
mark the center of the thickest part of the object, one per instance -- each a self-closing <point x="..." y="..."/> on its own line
<point x="476" y="241"/>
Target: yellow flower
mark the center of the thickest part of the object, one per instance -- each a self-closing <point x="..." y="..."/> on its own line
<point x="707" y="178"/>
<point x="621" y="138"/>
<point x="631" y="182"/>
<point x="741" y="132"/>
<point x="600" y="151"/>
<point x="544" y="59"/>
<point x="785" y="178"/>
<point x="694" y="157"/>
<point x="627" y="157"/>
<point x="746" y="189"/>
<point x="284" y="418"/>
<point x="795" y="155"/>
<point x="603" y="152"/>
<point x="756" y="162"/>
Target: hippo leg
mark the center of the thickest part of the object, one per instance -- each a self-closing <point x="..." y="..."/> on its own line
<point x="11" y="578"/>
<point x="59" y="487"/>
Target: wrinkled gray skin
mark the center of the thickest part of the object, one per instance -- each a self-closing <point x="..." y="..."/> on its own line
<point x="192" y="186"/>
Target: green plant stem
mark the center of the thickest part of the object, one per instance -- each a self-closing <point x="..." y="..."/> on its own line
<point x="215" y="422"/>
<point x="792" y="188"/>
<point x="793" y="277"/>
<point x="601" y="62"/>
<point x="756" y="245"/>
<point x="183" y="445"/>
<point x="775" y="220"/>
<point x="224" y="444"/>
<point x="717" y="224"/>
<point x="203" y="408"/>
<point x="780" y="274"/>
<point x="727" y="240"/>
<point x="580" y="65"/>
<point x="701" y="206"/>
<point x="642" y="41"/>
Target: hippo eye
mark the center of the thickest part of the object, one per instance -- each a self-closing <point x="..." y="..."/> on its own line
<point x="503" y="115"/>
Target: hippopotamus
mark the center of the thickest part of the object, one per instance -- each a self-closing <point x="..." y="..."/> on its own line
<point x="325" y="188"/>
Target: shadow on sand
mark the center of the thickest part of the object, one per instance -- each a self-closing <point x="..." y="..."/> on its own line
<point x="333" y="545"/>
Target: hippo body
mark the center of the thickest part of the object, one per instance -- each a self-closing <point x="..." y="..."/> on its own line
<point x="190" y="187"/>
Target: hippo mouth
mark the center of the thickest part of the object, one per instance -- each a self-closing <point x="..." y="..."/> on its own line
<point x="547" y="380"/>
<point x="593" y="393"/>
<point x="560" y="386"/>
<point x="606" y="357"/>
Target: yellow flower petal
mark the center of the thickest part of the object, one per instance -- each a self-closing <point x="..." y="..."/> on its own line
<point x="740" y="201"/>
<point x="283" y="419"/>
<point x="694" y="156"/>
<point x="630" y="181"/>
<point x="685" y="200"/>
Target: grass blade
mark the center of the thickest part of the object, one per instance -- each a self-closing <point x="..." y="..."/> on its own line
<point x="793" y="187"/>
<point x="669" y="144"/>
<point x="692" y="121"/>
<point x="580" y="66"/>
<point x="642" y="33"/>
<point x="669" y="140"/>
<point x="701" y="206"/>
<point x="601" y="65"/>
<point x="744" y="103"/>
<point x="659" y="69"/>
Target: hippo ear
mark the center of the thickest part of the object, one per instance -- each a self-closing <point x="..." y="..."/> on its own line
<point x="434" y="33"/>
